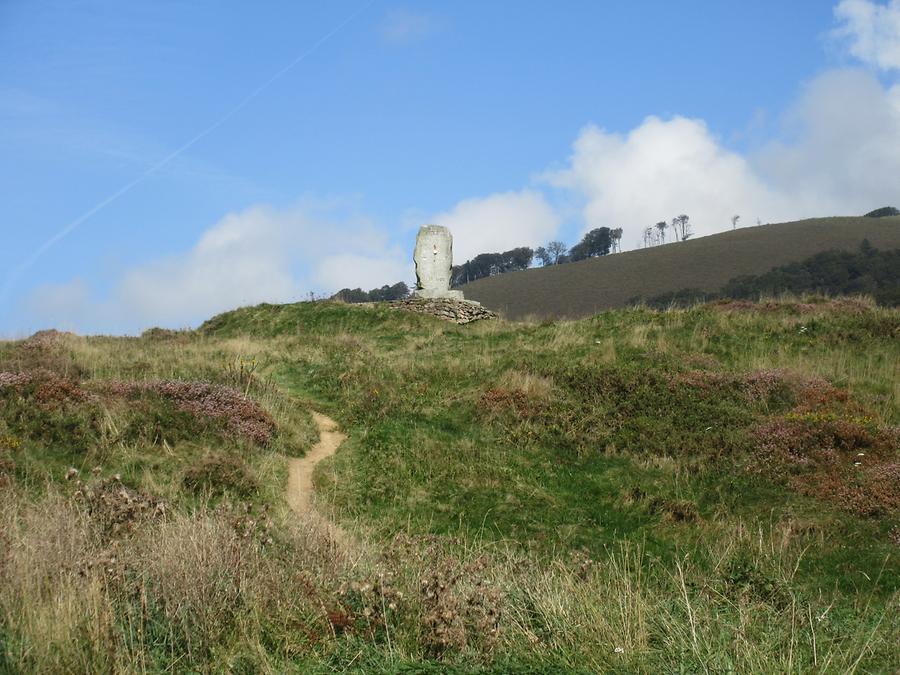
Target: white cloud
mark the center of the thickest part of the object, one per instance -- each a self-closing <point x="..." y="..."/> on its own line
<point x="402" y="25"/>
<point x="258" y="255"/>
<point x="355" y="270"/>
<point x="498" y="223"/>
<point x="658" y="170"/>
<point x="872" y="31"/>
<point x="842" y="157"/>
<point x="844" y="152"/>
<point x="61" y="306"/>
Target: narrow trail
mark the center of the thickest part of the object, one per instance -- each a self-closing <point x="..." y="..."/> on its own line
<point x="300" y="469"/>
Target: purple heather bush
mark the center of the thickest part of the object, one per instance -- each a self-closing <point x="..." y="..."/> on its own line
<point x="242" y="416"/>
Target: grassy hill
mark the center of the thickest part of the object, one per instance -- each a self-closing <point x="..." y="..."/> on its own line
<point x="710" y="489"/>
<point x="707" y="263"/>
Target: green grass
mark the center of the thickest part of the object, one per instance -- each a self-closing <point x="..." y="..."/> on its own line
<point x="706" y="264"/>
<point x="423" y="452"/>
<point x="518" y="497"/>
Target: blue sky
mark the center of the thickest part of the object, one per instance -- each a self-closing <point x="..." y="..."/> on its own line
<point x="512" y="123"/>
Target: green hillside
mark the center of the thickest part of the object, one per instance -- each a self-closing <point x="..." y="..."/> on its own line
<point x="707" y="263"/>
<point x="705" y="490"/>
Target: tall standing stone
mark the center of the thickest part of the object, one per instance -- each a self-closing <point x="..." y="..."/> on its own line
<point x="434" y="258"/>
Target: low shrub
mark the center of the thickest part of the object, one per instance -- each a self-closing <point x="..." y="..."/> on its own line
<point x="850" y="462"/>
<point x="7" y="467"/>
<point x="45" y="350"/>
<point x="241" y="416"/>
<point x="42" y="405"/>
<point x="516" y="401"/>
<point x="157" y="334"/>
<point x="117" y="509"/>
<point x="217" y="474"/>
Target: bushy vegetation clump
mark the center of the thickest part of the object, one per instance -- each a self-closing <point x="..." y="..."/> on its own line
<point x="831" y="273"/>
<point x="884" y="212"/>
<point x="383" y="294"/>
<point x="218" y="474"/>
<point x="708" y="489"/>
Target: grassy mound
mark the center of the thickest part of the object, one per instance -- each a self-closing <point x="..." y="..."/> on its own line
<point x="705" y="489"/>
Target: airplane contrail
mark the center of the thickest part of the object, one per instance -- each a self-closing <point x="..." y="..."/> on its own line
<point x="17" y="271"/>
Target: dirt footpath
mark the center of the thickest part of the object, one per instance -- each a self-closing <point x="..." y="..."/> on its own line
<point x="300" y="470"/>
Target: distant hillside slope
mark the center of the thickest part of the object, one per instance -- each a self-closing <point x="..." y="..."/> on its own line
<point x="707" y="263"/>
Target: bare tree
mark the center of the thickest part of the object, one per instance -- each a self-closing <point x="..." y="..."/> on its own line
<point x="682" y="226"/>
<point x="652" y="236"/>
<point x="734" y="221"/>
<point x="662" y="226"/>
<point x="616" y="235"/>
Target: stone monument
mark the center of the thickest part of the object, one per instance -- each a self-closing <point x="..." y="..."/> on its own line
<point x="434" y="258"/>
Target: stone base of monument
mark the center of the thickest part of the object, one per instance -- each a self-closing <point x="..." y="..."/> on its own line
<point x="437" y="295"/>
<point x="448" y="309"/>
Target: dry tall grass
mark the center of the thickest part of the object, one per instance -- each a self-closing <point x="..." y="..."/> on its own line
<point x="220" y="589"/>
